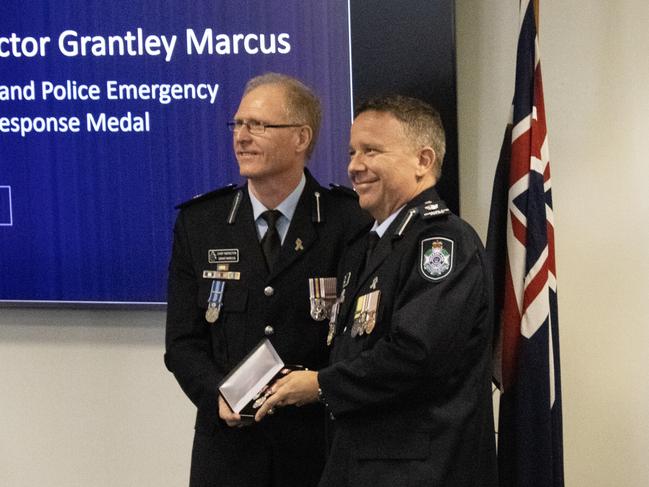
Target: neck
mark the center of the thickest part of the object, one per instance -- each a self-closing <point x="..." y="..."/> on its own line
<point x="423" y="185"/>
<point x="384" y="213"/>
<point x="272" y="191"/>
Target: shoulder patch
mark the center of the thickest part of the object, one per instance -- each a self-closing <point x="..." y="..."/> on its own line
<point x="432" y="209"/>
<point x="344" y="190"/>
<point x="206" y="196"/>
<point x="436" y="258"/>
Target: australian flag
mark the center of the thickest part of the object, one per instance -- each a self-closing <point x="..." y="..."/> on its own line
<point x="520" y="243"/>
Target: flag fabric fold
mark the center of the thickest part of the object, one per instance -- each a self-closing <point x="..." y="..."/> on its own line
<point x="520" y="244"/>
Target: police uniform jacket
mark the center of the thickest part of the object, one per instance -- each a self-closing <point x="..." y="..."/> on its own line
<point x="259" y="304"/>
<point x="411" y="397"/>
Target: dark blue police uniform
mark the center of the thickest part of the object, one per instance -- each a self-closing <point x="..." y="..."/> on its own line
<point x="286" y="449"/>
<point x="410" y="391"/>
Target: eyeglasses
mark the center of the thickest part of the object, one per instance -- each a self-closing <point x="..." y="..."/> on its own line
<point x="257" y="128"/>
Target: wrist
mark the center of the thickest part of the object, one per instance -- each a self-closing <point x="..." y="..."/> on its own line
<point x="321" y="396"/>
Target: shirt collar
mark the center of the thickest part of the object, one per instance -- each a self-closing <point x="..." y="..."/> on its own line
<point x="287" y="207"/>
<point x="381" y="229"/>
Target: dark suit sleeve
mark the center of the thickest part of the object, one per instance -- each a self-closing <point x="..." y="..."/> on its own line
<point x="188" y="353"/>
<point x="437" y="331"/>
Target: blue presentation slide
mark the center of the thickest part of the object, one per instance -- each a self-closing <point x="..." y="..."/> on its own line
<point x="111" y="113"/>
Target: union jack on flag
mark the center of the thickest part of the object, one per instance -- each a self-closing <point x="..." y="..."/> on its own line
<point x="520" y="243"/>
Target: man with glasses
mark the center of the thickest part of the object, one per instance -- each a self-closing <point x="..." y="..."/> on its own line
<point x="240" y="270"/>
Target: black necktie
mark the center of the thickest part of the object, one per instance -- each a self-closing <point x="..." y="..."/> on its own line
<point x="372" y="239"/>
<point x="271" y="243"/>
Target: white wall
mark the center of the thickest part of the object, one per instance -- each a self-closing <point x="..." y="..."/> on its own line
<point x="84" y="396"/>
<point x="85" y="400"/>
<point x="596" y="80"/>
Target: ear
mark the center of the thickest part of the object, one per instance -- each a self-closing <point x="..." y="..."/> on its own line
<point x="304" y="137"/>
<point x="427" y="161"/>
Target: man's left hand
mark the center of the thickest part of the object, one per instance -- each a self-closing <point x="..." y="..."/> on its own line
<point x="298" y="387"/>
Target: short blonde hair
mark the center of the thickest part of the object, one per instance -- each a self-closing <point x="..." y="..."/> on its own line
<point x="301" y="101"/>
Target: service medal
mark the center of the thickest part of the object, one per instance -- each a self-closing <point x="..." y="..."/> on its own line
<point x="332" y="322"/>
<point x="261" y="397"/>
<point x="331" y="333"/>
<point x="372" y="306"/>
<point x="212" y="313"/>
<point x="214" y="301"/>
<point x="357" y="324"/>
<point x="322" y="296"/>
<point x="370" y="321"/>
<point x="318" y="309"/>
<point x="365" y="313"/>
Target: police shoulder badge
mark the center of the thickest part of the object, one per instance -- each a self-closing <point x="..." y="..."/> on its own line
<point x="436" y="258"/>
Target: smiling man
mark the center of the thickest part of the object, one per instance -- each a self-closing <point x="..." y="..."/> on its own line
<point x="408" y="388"/>
<point x="239" y="272"/>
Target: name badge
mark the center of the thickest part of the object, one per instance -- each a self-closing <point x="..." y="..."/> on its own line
<point x="222" y="256"/>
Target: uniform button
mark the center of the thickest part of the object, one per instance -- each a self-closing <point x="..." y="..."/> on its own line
<point x="269" y="291"/>
<point x="269" y="330"/>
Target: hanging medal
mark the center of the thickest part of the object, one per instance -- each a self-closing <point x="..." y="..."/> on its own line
<point x="365" y="313"/>
<point x="322" y="296"/>
<point x="333" y="319"/>
<point x="372" y="306"/>
<point x="214" y="301"/>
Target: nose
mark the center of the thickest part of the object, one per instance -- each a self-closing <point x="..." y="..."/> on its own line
<point x="242" y="134"/>
<point x="355" y="165"/>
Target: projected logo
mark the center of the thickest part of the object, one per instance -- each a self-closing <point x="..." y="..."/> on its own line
<point x="6" y="215"/>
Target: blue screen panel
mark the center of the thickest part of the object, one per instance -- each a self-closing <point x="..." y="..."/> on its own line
<point x="113" y="112"/>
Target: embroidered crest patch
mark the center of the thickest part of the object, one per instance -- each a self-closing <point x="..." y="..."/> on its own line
<point x="436" y="258"/>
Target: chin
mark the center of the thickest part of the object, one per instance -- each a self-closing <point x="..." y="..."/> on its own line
<point x="365" y="199"/>
<point x="253" y="175"/>
<point x="247" y="170"/>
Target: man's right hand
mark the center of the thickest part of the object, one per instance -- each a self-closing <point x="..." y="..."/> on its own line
<point x="231" y="418"/>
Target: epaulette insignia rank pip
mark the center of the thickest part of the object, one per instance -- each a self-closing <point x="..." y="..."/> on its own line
<point x="433" y="210"/>
<point x="206" y="196"/>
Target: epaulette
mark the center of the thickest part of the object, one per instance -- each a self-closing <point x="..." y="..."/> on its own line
<point x="206" y="196"/>
<point x="340" y="189"/>
<point x="405" y="221"/>
<point x="433" y="210"/>
<point x="316" y="214"/>
<point x="426" y="211"/>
